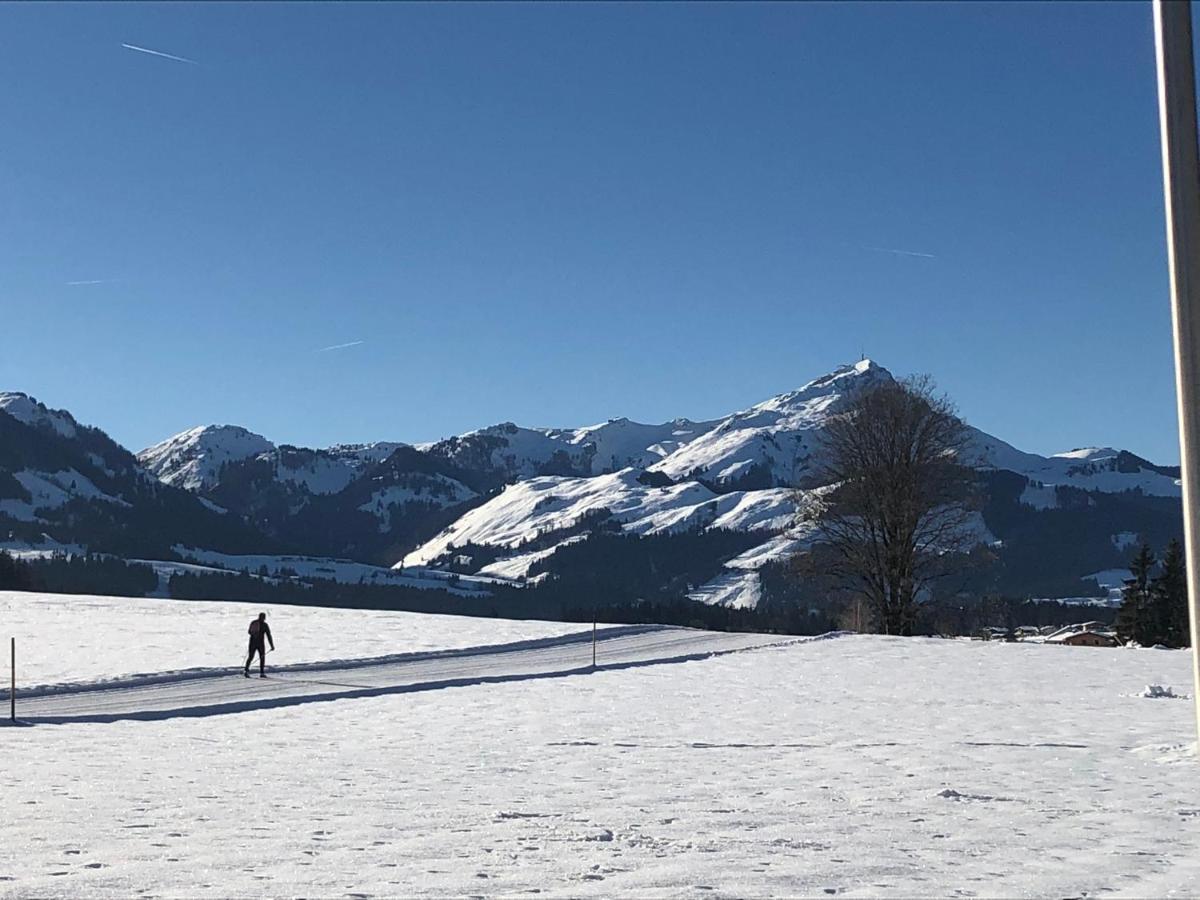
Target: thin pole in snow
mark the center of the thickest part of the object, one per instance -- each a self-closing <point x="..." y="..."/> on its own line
<point x="12" y="683"/>
<point x="1181" y="186"/>
<point x="593" y="638"/>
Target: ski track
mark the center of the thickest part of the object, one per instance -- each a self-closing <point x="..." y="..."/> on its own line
<point x="207" y="692"/>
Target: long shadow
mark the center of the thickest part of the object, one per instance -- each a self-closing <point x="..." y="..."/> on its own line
<point x="237" y="706"/>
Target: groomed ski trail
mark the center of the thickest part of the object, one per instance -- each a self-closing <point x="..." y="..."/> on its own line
<point x="208" y="692"/>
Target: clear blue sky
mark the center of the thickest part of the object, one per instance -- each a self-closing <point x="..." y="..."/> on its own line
<point x="556" y="214"/>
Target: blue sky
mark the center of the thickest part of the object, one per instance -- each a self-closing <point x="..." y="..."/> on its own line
<point x="556" y="214"/>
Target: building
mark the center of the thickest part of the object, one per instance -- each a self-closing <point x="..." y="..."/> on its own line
<point x="1084" y="638"/>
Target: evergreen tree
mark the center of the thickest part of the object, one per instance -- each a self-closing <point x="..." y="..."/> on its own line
<point x="1133" y="620"/>
<point x="1169" y="600"/>
<point x="14" y="574"/>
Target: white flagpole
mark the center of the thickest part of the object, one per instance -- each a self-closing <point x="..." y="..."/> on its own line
<point x="1181" y="186"/>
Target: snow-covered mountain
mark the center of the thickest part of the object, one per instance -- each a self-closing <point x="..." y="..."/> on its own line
<point x="28" y="411"/>
<point x="739" y="473"/>
<point x="1091" y="469"/>
<point x="66" y="484"/>
<point x="518" y="504"/>
<point x="512" y="452"/>
<point x="195" y="459"/>
<point x="774" y="443"/>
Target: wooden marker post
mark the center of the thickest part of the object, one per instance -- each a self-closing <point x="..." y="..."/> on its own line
<point x="593" y="638"/>
<point x="12" y="684"/>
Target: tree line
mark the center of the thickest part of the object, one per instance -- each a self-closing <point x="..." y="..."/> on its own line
<point x="1154" y="606"/>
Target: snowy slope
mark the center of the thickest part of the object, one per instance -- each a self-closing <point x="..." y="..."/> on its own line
<point x="1093" y="469"/>
<point x="51" y="490"/>
<point x="26" y="409"/>
<point x="779" y="438"/>
<point x="433" y="490"/>
<point x="858" y="766"/>
<point x="539" y="506"/>
<point x="733" y="473"/>
<point x="315" y="471"/>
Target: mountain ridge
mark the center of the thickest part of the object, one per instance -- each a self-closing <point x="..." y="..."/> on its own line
<point x="506" y="501"/>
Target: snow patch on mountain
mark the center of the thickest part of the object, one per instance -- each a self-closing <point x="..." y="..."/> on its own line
<point x="50" y="490"/>
<point x="1039" y="496"/>
<point x="514" y="568"/>
<point x="362" y="456"/>
<point x="736" y="589"/>
<point x="415" y="487"/>
<point x="315" y="471"/>
<point x="437" y="490"/>
<point x="1087" y="454"/>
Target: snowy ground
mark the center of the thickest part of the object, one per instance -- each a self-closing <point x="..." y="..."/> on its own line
<point x="857" y="766"/>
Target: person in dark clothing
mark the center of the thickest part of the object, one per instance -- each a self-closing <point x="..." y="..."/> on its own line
<point x="260" y="632"/>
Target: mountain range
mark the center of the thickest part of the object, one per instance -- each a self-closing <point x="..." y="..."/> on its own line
<point x="512" y="506"/>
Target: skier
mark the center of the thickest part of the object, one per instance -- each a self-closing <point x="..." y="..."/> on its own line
<point x="260" y="631"/>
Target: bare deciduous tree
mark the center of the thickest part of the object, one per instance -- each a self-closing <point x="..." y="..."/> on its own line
<point x="901" y="510"/>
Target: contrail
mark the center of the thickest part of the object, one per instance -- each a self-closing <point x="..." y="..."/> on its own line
<point x="339" y="346"/>
<point x="157" y="53"/>
<point x="902" y="252"/>
<point x="94" y="281"/>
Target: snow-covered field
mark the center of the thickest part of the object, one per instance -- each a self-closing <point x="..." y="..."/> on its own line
<point x="859" y="766"/>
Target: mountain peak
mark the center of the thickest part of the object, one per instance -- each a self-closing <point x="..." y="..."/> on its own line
<point x="26" y="409"/>
<point x="193" y="458"/>
<point x="818" y="394"/>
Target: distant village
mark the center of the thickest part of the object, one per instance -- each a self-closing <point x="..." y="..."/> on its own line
<point x="1083" y="634"/>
